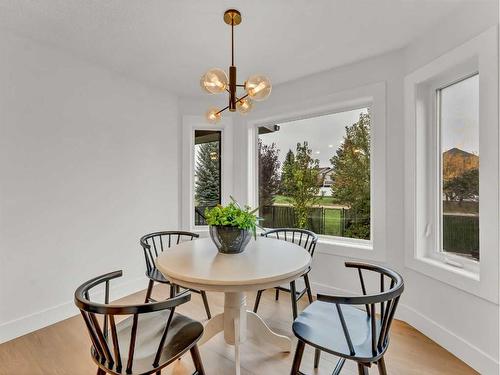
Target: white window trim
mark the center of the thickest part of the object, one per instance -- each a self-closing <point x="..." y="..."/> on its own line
<point x="478" y="54"/>
<point x="373" y="96"/>
<point x="190" y="123"/>
<point x="461" y="72"/>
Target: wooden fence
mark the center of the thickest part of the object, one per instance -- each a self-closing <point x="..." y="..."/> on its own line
<point x="284" y="217"/>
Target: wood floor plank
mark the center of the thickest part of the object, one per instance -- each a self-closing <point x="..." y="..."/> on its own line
<point x="64" y="348"/>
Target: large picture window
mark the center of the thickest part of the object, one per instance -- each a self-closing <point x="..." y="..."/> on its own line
<point x="458" y="120"/>
<point x="315" y="173"/>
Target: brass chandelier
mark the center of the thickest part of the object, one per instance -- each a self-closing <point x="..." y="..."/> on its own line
<point x="215" y="81"/>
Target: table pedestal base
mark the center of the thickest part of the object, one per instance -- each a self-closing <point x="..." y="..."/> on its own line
<point x="236" y="322"/>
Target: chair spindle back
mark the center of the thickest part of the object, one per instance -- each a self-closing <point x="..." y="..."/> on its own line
<point x="112" y="358"/>
<point x="386" y="299"/>
<point x="154" y="244"/>
<point x="301" y="237"/>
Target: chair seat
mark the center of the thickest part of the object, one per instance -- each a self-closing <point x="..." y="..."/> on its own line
<point x="319" y="325"/>
<point x="157" y="276"/>
<point x="183" y="333"/>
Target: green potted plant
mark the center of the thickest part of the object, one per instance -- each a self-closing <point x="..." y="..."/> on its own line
<point x="231" y="226"/>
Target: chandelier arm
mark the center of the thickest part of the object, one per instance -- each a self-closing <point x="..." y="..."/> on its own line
<point x="223" y="109"/>
<point x="240" y="99"/>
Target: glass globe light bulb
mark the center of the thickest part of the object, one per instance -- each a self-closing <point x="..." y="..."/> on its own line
<point x="213" y="115"/>
<point x="214" y="81"/>
<point x="244" y="106"/>
<point x="258" y="87"/>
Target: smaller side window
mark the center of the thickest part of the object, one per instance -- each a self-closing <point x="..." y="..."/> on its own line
<point x="458" y="122"/>
<point x="207" y="172"/>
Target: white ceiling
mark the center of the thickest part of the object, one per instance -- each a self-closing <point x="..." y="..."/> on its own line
<point x="171" y="43"/>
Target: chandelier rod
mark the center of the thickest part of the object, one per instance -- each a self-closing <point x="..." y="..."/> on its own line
<point x="232" y="42"/>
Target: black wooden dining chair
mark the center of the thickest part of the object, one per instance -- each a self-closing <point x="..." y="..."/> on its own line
<point x="308" y="241"/>
<point x="351" y="327"/>
<point x="150" y="336"/>
<point x="154" y="244"/>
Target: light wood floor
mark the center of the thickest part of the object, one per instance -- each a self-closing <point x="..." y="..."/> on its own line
<point x="63" y="348"/>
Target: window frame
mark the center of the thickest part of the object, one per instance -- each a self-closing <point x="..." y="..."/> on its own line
<point x="423" y="167"/>
<point x="221" y="161"/>
<point x="190" y="124"/>
<point x="467" y="71"/>
<point x="371" y="96"/>
<point x="324" y="237"/>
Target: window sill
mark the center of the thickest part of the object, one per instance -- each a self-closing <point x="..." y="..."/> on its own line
<point x="201" y="230"/>
<point x="426" y="263"/>
<point x="345" y="242"/>
<point x="349" y="248"/>
<point x="460" y="278"/>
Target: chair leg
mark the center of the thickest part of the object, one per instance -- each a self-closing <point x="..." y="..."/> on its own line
<point x="308" y="288"/>
<point x="338" y="366"/>
<point x="149" y="291"/>
<point x="172" y="290"/>
<point x="205" y="302"/>
<point x="198" y="365"/>
<point x="257" y="301"/>
<point x="381" y="366"/>
<point x="293" y="294"/>
<point x="317" y="354"/>
<point x="362" y="369"/>
<point x="277" y="296"/>
<point x="297" y="359"/>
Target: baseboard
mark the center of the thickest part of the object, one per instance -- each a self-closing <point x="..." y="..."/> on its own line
<point x="462" y="349"/>
<point x="43" y="318"/>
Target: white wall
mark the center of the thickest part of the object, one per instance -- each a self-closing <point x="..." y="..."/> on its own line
<point x="464" y="324"/>
<point x="89" y="162"/>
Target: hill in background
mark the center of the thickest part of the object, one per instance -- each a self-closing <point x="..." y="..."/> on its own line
<point x="456" y="162"/>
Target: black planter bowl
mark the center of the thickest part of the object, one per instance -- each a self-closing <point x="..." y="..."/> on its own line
<point x="229" y="240"/>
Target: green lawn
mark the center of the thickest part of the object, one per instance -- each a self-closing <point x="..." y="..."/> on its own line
<point x="333" y="222"/>
<point x="333" y="215"/>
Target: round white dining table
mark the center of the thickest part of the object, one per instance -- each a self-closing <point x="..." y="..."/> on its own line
<point x="265" y="263"/>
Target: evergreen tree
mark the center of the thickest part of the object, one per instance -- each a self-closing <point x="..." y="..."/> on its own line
<point x="207" y="185"/>
<point x="301" y="182"/>
<point x="351" y="177"/>
<point x="269" y="166"/>
<point x="286" y="171"/>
